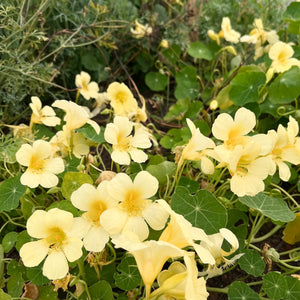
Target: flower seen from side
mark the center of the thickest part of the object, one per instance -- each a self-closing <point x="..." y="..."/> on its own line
<point x="139" y="31"/>
<point x="59" y="241"/>
<point x="228" y="33"/>
<point x="40" y="163"/>
<point x="45" y="115"/>
<point x="86" y="88"/>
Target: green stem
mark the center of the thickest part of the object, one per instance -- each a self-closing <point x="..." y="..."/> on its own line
<point x="286" y="193"/>
<point x="270" y="233"/>
<point x="217" y="290"/>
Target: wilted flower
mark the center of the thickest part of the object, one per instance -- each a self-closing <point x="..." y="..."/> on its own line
<point x="125" y="145"/>
<point x="215" y="248"/>
<point x="40" y="163"/>
<point x="45" y="115"/>
<point x="59" y="241"/>
<point x="134" y="207"/>
<point x="86" y="88"/>
<point x="281" y="55"/>
<point x="139" y="31"/>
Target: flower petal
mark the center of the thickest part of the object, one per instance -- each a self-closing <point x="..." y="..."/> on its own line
<point x="148" y="189"/>
<point x="56" y="265"/>
<point x="33" y="253"/>
<point x="72" y="249"/>
<point x="96" y="239"/>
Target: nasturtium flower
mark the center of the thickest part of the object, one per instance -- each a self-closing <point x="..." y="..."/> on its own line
<point x="213" y="36"/>
<point x="124" y="144"/>
<point x="40" y="163"/>
<point x="59" y="241"/>
<point x="134" y="207"/>
<point x="220" y="255"/>
<point x="248" y="169"/>
<point x="228" y="33"/>
<point x="139" y="31"/>
<point x="180" y="233"/>
<point x="121" y="99"/>
<point x="281" y="55"/>
<point x="233" y="131"/>
<point x="150" y="256"/>
<point x="94" y="201"/>
<point x="181" y="281"/>
<point x="68" y="142"/>
<point x="196" y="149"/>
<point x="86" y="88"/>
<point x="76" y="115"/>
<point x="164" y="44"/>
<point x="45" y="115"/>
<point x="284" y="148"/>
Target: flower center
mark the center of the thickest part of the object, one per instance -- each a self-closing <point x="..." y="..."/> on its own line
<point x="124" y="143"/>
<point x="84" y="86"/>
<point x="95" y="211"/>
<point x="121" y="97"/>
<point x="36" y="163"/>
<point x="133" y="203"/>
<point x="56" y="237"/>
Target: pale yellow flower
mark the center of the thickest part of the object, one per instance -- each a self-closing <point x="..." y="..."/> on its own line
<point x="284" y="148"/>
<point x="134" y="207"/>
<point x="228" y="33"/>
<point x="45" y="115"/>
<point x="181" y="282"/>
<point x="215" y="248"/>
<point x="150" y="257"/>
<point x="121" y="99"/>
<point x="86" y="88"/>
<point x="125" y="144"/>
<point x="248" y="169"/>
<point x="68" y="142"/>
<point x="76" y="115"/>
<point x="257" y="35"/>
<point x="94" y="201"/>
<point x="59" y="241"/>
<point x="139" y="31"/>
<point x="233" y="131"/>
<point x="213" y="36"/>
<point x="41" y="165"/>
<point x="180" y="233"/>
<point x="281" y="55"/>
<point x="164" y="44"/>
<point x="196" y="149"/>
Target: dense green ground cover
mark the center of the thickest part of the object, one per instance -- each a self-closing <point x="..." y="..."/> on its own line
<point x="149" y="149"/>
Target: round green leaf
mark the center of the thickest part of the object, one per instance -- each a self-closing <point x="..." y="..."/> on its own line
<point x="292" y="12"/>
<point x="101" y="290"/>
<point x="286" y="87"/>
<point x="156" y="81"/>
<point x="47" y="293"/>
<point x="274" y="285"/>
<point x="245" y="85"/>
<point x="72" y="181"/>
<point x="187" y="83"/>
<point x="15" y="285"/>
<point x="191" y="185"/>
<point x="128" y="276"/>
<point x="9" y="241"/>
<point x="252" y="263"/>
<point x="241" y="291"/>
<point x="162" y="171"/>
<point x="292" y="291"/>
<point x="274" y="208"/>
<point x="202" y="210"/>
<point x="199" y="50"/>
<point x="4" y="296"/>
<point x="11" y="191"/>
